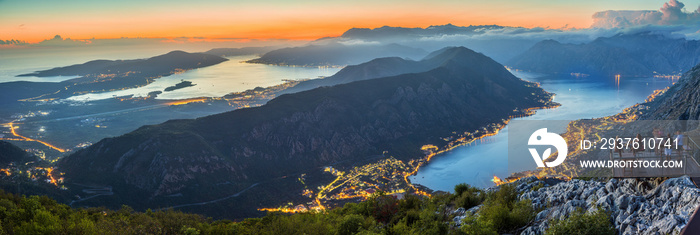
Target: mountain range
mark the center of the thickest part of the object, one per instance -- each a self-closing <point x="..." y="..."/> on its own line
<point x="332" y="53"/>
<point x="642" y="54"/>
<point x="358" y="45"/>
<point x="376" y="68"/>
<point x="184" y="161"/>
<point x="394" y="33"/>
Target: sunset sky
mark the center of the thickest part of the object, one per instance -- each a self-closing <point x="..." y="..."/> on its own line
<point x="33" y="20"/>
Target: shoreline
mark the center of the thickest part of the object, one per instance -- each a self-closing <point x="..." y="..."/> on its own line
<point x="325" y="199"/>
<point x="462" y="141"/>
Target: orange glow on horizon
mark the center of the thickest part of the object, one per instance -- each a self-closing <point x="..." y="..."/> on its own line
<point x="275" y="21"/>
<point x="263" y="34"/>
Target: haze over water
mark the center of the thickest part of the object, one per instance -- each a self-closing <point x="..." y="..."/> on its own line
<point x="213" y="81"/>
<point x="580" y="98"/>
<point x="16" y="61"/>
<point x="220" y="79"/>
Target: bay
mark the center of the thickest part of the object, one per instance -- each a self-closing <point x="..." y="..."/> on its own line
<point x="590" y="97"/>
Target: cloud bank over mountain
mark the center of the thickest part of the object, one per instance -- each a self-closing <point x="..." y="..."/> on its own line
<point x="673" y="19"/>
<point x="671" y="13"/>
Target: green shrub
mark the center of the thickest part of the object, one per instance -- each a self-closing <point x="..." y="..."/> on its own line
<point x="582" y="223"/>
<point x="381" y="214"/>
<point x="502" y="210"/>
<point x="410" y="202"/>
<point x="460" y="188"/>
<point x="467" y="196"/>
<point x="42" y="223"/>
<point x="383" y="207"/>
<point x="472" y="225"/>
<point x="350" y="224"/>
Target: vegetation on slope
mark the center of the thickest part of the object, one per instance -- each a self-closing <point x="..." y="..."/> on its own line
<point x="501" y="212"/>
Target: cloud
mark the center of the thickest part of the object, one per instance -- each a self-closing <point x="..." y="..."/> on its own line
<point x="12" y="42"/>
<point x="671" y="13"/>
<point x="531" y="34"/>
<point x="59" y="41"/>
<point x="356" y="42"/>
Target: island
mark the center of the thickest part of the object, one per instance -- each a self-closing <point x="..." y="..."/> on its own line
<point x="103" y="76"/>
<point x="180" y="85"/>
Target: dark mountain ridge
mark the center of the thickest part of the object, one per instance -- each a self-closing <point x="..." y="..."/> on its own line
<point x="680" y="102"/>
<point x="388" y="32"/>
<point x="297" y="133"/>
<point x="157" y="64"/>
<point x="358" y="45"/>
<point x="336" y="54"/>
<point x="376" y="68"/>
<point x="10" y="153"/>
<point x="641" y="54"/>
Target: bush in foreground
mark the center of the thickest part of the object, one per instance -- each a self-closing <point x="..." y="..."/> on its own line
<point x="582" y="223"/>
<point x="500" y="213"/>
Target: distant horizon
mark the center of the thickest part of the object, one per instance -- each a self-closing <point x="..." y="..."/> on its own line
<point x="33" y="22"/>
<point x="245" y="40"/>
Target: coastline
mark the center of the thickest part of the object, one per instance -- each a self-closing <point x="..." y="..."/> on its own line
<point x="326" y="198"/>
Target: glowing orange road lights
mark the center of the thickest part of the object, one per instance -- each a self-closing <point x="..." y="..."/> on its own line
<point x="12" y="129"/>
<point x="49" y="173"/>
<point x="187" y="101"/>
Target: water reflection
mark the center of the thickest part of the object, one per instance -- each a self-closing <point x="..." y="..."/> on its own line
<point x="219" y="80"/>
<point x="476" y="164"/>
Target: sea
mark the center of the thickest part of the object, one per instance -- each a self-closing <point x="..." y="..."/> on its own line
<point x="580" y="97"/>
<point x="214" y="81"/>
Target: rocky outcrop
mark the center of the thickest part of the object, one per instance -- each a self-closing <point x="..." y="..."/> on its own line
<point x="636" y="206"/>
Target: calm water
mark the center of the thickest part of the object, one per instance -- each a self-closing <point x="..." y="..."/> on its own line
<point x="219" y="80"/>
<point x="16" y="61"/>
<point x="212" y="81"/>
<point x="476" y="164"/>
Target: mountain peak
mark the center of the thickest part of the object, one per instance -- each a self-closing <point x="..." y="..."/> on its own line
<point x="548" y="42"/>
<point x="459" y="50"/>
<point x="448" y="25"/>
<point x="177" y="52"/>
<point x="448" y="51"/>
<point x="457" y="57"/>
